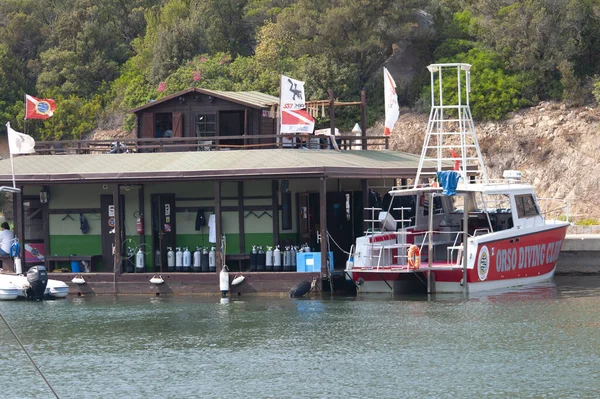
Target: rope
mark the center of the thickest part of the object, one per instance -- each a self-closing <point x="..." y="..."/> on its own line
<point x="336" y="244"/>
<point x="27" y="353"/>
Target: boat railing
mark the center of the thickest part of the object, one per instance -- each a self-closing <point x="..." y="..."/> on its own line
<point x="554" y="209"/>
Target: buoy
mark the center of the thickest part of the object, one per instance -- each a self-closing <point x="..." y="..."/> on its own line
<point x="224" y="281"/>
<point x="238" y="280"/>
<point x="78" y="280"/>
<point x="300" y="289"/>
<point x="157" y="280"/>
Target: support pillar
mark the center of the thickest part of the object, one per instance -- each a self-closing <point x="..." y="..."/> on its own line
<point x="220" y="259"/>
<point x="323" y="225"/>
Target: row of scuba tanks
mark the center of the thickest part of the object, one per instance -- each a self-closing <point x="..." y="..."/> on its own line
<point x="275" y="260"/>
<point x="202" y="260"/>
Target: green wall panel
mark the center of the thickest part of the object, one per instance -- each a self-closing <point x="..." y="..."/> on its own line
<point x="64" y="245"/>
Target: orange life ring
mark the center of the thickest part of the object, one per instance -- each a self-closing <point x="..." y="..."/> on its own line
<point x="414" y="257"/>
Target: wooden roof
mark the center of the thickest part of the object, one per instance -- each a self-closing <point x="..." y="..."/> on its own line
<point x="208" y="165"/>
<point x="252" y="99"/>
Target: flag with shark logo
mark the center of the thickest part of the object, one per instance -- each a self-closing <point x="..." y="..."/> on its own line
<point x="294" y="119"/>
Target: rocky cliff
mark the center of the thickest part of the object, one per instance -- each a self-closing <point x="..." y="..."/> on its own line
<point x="556" y="148"/>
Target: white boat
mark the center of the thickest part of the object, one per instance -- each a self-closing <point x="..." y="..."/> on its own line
<point x="13" y="286"/>
<point x="453" y="229"/>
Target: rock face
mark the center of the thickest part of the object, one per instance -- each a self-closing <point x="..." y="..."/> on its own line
<point x="556" y="148"/>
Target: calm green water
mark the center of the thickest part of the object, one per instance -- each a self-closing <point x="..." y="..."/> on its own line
<point x="540" y="342"/>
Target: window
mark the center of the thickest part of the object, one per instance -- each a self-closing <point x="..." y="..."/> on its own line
<point x="206" y="125"/>
<point x="526" y="206"/>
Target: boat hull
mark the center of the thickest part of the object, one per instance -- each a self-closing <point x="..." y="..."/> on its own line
<point x="527" y="258"/>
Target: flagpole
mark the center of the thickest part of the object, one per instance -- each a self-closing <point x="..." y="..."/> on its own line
<point x="12" y="168"/>
<point x="24" y="118"/>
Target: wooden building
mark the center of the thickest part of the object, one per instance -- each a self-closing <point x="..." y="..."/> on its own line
<point x="164" y="193"/>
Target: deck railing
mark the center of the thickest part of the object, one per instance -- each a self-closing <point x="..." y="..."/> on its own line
<point x="213" y="143"/>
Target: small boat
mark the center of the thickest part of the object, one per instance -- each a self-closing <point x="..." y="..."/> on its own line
<point x="454" y="229"/>
<point x="14" y="286"/>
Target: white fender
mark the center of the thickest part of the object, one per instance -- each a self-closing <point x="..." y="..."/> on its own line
<point x="18" y="267"/>
<point x="78" y="280"/>
<point x="224" y="280"/>
<point x="157" y="280"/>
<point x="238" y="280"/>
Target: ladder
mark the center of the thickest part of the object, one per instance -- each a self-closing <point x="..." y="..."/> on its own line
<point x="450" y="133"/>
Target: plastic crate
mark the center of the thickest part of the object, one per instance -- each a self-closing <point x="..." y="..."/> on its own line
<point x="311" y="261"/>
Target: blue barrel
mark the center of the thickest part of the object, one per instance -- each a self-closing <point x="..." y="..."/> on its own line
<point x="75" y="266"/>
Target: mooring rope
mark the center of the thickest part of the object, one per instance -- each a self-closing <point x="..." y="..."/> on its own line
<point x="30" y="358"/>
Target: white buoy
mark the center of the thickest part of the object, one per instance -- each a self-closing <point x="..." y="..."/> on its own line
<point x="238" y="280"/>
<point x="224" y="281"/>
<point x="18" y="267"/>
<point x="78" y="280"/>
<point x="157" y="280"/>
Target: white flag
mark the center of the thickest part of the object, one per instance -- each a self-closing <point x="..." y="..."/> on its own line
<point x="19" y="143"/>
<point x="392" y="111"/>
<point x="292" y="93"/>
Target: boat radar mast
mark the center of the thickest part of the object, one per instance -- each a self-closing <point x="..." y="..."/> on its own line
<point x="450" y="131"/>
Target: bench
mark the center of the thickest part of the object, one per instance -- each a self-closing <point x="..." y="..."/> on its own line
<point x="92" y="260"/>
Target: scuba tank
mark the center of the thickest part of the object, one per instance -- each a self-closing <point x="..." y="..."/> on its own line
<point x="277" y="259"/>
<point x="130" y="261"/>
<point x="287" y="263"/>
<point x="269" y="259"/>
<point x="253" y="258"/>
<point x="170" y="260"/>
<point x="212" y="260"/>
<point x="178" y="260"/>
<point x="157" y="260"/>
<point x="204" y="260"/>
<point x="139" y="261"/>
<point x="197" y="255"/>
<point x="187" y="260"/>
<point x="293" y="258"/>
<point x="261" y="259"/>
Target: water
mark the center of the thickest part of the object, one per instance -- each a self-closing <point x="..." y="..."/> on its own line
<point x="538" y="342"/>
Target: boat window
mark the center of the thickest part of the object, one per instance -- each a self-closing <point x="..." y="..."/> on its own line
<point x="526" y="206"/>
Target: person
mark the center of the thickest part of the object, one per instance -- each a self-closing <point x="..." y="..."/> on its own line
<point x="6" y="239"/>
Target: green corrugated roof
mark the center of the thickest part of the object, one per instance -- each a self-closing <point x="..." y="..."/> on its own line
<point x="205" y="165"/>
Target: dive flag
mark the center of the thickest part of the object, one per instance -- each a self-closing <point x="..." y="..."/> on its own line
<point x="392" y="111"/>
<point x="292" y="93"/>
<point x="296" y="121"/>
<point x="36" y="108"/>
<point x="19" y="143"/>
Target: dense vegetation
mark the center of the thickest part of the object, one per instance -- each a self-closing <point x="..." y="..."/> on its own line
<point x="98" y="59"/>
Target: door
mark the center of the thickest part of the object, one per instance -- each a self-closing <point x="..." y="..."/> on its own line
<point x="107" y="220"/>
<point x="163" y="228"/>
<point x="308" y="212"/>
<point x="340" y="224"/>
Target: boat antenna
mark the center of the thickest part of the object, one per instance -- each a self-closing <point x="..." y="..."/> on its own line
<point x="27" y="353"/>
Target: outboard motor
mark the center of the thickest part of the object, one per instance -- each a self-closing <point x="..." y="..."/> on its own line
<point x="261" y="260"/>
<point x="269" y="259"/>
<point x="37" y="277"/>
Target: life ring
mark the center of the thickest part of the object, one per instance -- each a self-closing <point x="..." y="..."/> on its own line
<point x="414" y="257"/>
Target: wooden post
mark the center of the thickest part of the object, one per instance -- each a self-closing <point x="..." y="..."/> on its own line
<point x="331" y="112"/>
<point x="141" y="211"/>
<point x="275" y="204"/>
<point x="117" y="254"/>
<point x="219" y="259"/>
<point x="323" y="225"/>
<point x="465" y="240"/>
<point x="363" y="117"/>
<point x="364" y="187"/>
<point x="241" y="220"/>
<point x="20" y="223"/>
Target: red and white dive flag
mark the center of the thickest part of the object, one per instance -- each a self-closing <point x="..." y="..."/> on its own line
<point x="392" y="111"/>
<point x="19" y="143"/>
<point x="294" y="119"/>
<point x="36" y="108"/>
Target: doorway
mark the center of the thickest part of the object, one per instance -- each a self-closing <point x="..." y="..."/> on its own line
<point x="107" y="230"/>
<point x="231" y="123"/>
<point x="164" y="231"/>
